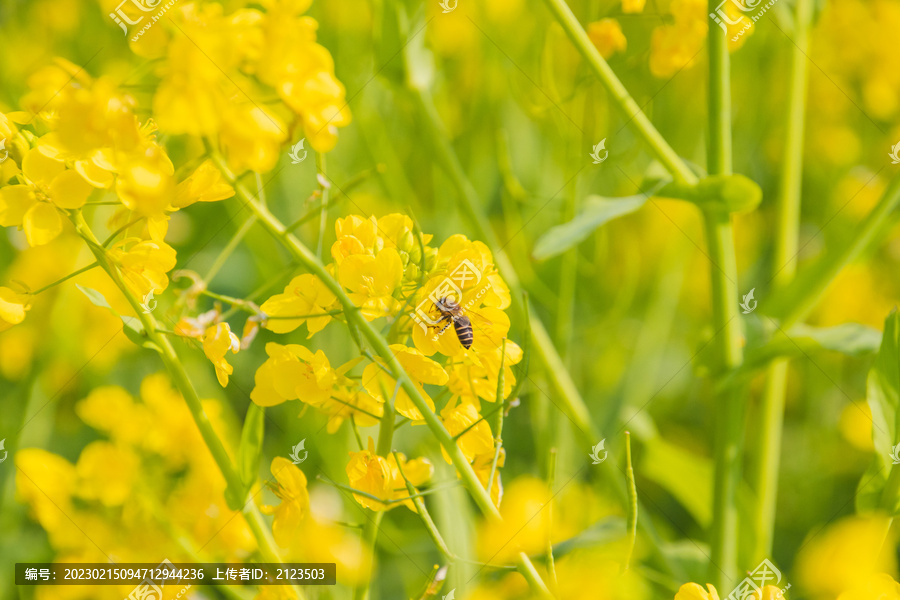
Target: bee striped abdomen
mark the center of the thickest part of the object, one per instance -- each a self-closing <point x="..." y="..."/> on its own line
<point x="464" y="331"/>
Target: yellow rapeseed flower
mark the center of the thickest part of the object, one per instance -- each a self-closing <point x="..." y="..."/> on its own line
<point x="421" y="369"/>
<point x="217" y="341"/>
<point x="879" y="586"/>
<point x="304" y="295"/>
<point x="845" y="555"/>
<point x="144" y="264"/>
<point x="478" y="440"/>
<point x="205" y="184"/>
<point x="381" y="477"/>
<point x="694" y="591"/>
<point x="291" y="372"/>
<point x="35" y="205"/>
<point x="13" y="307"/>
<point x="372" y="474"/>
<point x="607" y="37"/>
<point x="372" y="281"/>
<point x="294" y="507"/>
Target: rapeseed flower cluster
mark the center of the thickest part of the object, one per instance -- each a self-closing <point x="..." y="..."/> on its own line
<point x="260" y="52"/>
<point x="390" y="272"/>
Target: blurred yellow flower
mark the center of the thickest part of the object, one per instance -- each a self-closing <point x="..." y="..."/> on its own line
<point x="106" y="472"/>
<point x="845" y="555"/>
<point x="676" y="46"/>
<point x="878" y="586"/>
<point x="13" y="307"/>
<point x="693" y="591"/>
<point x="293" y="372"/>
<point x="633" y="6"/>
<point x="291" y="490"/>
<point x="35" y="205"/>
<point x="217" y="341"/>
<point x="304" y="295"/>
<point x="146" y="182"/>
<point x="607" y="36"/>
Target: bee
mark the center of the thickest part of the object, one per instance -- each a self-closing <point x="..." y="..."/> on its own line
<point x="451" y="312"/>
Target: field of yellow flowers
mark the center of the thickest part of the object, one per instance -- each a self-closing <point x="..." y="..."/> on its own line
<point x="503" y="300"/>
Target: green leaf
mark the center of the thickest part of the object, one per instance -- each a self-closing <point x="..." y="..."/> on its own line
<point x="851" y="339"/>
<point x="132" y="326"/>
<point x="685" y="475"/>
<point x="883" y="396"/>
<point x="598" y="211"/>
<point x="251" y="444"/>
<point x="95" y="297"/>
<point x="723" y="193"/>
<point x="606" y="530"/>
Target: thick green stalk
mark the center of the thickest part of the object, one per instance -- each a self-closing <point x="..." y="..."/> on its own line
<point x="765" y="475"/>
<point x="619" y="95"/>
<point x="370" y="531"/>
<point x="726" y="322"/>
<point x="183" y="383"/>
<point x="380" y="345"/>
<point x="728" y="404"/>
<point x="369" y="535"/>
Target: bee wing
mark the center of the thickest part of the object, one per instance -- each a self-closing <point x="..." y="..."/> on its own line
<point x="477" y="318"/>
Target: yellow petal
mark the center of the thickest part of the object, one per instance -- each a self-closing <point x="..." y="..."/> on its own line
<point x="41" y="169"/>
<point x="42" y="224"/>
<point x="70" y="190"/>
<point x="93" y="174"/>
<point x="15" y="200"/>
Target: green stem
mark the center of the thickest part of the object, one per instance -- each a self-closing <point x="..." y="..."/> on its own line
<point x="632" y="501"/>
<point x="526" y="568"/>
<point x="370" y="531"/>
<point x="619" y="95"/>
<point x="551" y="485"/>
<point x="765" y="475"/>
<point x="229" y="248"/>
<point x="183" y="383"/>
<point x="568" y="396"/>
<point x="323" y="210"/>
<point x="66" y="278"/>
<point x="369" y="535"/>
<point x="726" y="322"/>
<point x="355" y="319"/>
